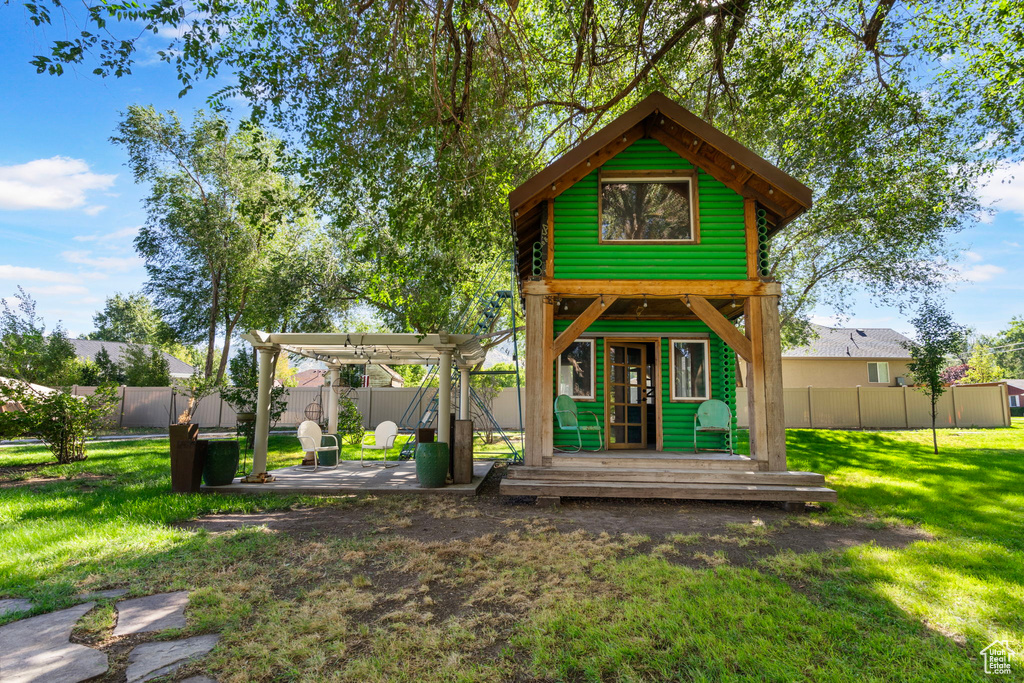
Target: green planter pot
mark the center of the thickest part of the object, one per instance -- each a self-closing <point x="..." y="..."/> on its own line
<point x="432" y="465"/>
<point x="221" y="462"/>
<point x="327" y="458"/>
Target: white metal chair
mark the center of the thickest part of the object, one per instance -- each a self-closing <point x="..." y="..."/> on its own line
<point x="384" y="438"/>
<point x="311" y="439"/>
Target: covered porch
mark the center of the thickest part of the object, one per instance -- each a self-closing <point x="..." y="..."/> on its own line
<point x="449" y="352"/>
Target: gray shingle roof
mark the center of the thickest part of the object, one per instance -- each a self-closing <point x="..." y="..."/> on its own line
<point x="88" y="348"/>
<point x="1015" y="383"/>
<point x="852" y="342"/>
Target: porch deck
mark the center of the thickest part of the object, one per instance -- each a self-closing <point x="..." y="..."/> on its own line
<point x="653" y="474"/>
<point x="351" y="477"/>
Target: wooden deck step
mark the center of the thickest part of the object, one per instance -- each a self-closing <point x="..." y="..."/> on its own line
<point x="678" y="476"/>
<point x="659" y="461"/>
<point x="533" y="487"/>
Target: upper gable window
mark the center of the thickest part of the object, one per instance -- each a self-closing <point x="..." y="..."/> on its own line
<point x="648" y="206"/>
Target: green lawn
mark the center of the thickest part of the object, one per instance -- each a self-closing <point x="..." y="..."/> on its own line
<point x="546" y="604"/>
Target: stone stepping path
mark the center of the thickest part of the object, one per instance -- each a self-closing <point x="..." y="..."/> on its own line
<point x="151" y="613"/>
<point x="10" y="605"/>
<point x="107" y="594"/>
<point x="38" y="650"/>
<point x="150" y="660"/>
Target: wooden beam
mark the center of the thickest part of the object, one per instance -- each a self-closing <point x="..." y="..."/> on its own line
<point x="714" y="289"/>
<point x="546" y="406"/>
<point x="755" y="383"/>
<point x="580" y="324"/>
<point x="549" y="259"/>
<point x="753" y="242"/>
<point x="714" y="319"/>
<point x="775" y="419"/>
<point x="534" y="428"/>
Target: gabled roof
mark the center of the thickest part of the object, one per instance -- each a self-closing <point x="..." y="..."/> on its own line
<point x="1015" y="383"/>
<point x="852" y="342"/>
<point x="88" y="348"/>
<point x="697" y="141"/>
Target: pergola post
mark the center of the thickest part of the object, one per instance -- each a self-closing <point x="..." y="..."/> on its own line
<point x="266" y="380"/>
<point x="332" y="399"/>
<point x="540" y="363"/>
<point x="463" y="393"/>
<point x="764" y="384"/>
<point x="444" y="398"/>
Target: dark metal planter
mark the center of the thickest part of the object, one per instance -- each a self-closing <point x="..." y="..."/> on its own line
<point x="432" y="464"/>
<point x="221" y="462"/>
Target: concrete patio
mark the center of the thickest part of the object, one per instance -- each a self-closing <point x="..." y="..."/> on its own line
<point x="351" y="477"/>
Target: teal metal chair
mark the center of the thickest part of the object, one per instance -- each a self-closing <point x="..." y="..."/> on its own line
<point x="568" y="417"/>
<point x="713" y="416"/>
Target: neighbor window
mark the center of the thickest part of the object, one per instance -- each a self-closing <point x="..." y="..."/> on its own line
<point x="689" y="367"/>
<point x="576" y="370"/>
<point x="878" y="373"/>
<point x="648" y="208"/>
<point x="1014" y="401"/>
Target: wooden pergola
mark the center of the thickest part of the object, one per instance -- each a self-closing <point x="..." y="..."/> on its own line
<point x="461" y="351"/>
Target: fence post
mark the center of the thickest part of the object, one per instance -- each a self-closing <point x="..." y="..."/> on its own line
<point x="860" y="411"/>
<point x="369" y="407"/>
<point x="74" y="390"/>
<point x="952" y="394"/>
<point x="220" y="411"/>
<point x="906" y="410"/>
<point x="120" y="422"/>
<point x="810" y="407"/>
<point x="170" y="409"/>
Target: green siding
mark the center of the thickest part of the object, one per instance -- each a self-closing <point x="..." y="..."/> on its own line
<point x="721" y="254"/>
<point x="677" y="417"/>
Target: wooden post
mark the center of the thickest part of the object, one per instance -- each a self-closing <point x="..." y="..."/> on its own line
<point x="775" y="415"/>
<point x="952" y="395"/>
<point x="462" y="470"/>
<point x="756" y="398"/>
<point x="263" y="387"/>
<point x="538" y="440"/>
<point x="444" y="398"/>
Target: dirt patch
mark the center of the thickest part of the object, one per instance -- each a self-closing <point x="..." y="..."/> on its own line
<point x="10" y="472"/>
<point x="35" y="481"/>
<point x="742" y="532"/>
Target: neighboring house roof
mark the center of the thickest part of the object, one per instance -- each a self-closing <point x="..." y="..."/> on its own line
<point x="1015" y="383"/>
<point x="88" y="348"/>
<point x="852" y="342"/>
<point x="316" y="378"/>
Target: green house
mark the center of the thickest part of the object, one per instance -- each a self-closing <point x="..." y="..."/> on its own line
<point x="636" y="251"/>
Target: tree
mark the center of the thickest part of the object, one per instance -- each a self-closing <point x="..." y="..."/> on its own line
<point x="107" y="369"/>
<point x="217" y="212"/>
<point x="127" y="318"/>
<point x="938" y="338"/>
<point x="890" y="113"/>
<point x="145" y="366"/>
<point x="58" y="419"/>
<point x="28" y="353"/>
<point x="1008" y="347"/>
<point x="983" y="366"/>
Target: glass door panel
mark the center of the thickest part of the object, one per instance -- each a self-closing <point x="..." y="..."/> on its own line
<point x="628" y="391"/>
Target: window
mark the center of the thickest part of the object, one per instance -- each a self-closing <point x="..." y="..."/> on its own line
<point x="1014" y="401"/>
<point x="576" y="370"/>
<point x="878" y="373"/>
<point x="689" y="368"/>
<point x="645" y="207"/>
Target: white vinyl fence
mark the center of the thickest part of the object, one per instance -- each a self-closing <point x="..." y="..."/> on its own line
<point x="971" y="405"/>
<point x="809" y="408"/>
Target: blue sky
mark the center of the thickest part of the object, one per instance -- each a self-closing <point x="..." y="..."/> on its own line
<point x="69" y="208"/>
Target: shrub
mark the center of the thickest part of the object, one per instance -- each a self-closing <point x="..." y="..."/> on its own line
<point x="58" y="419"/>
<point x="350" y="421"/>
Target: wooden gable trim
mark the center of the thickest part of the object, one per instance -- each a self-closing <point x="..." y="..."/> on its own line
<point x="660" y="118"/>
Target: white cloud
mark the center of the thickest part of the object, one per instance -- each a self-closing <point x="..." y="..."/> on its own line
<point x="57" y="290"/>
<point x="21" y="273"/>
<point x="1004" y="190"/>
<point x="972" y="257"/>
<point x="56" y="183"/>
<point x="1012" y="245"/>
<point x="115" y="236"/>
<point x="93" y="210"/>
<point x="982" y="272"/>
<point x="115" y="263"/>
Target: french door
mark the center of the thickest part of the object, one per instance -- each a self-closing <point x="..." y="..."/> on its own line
<point x="627" y="395"/>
